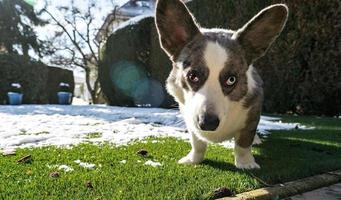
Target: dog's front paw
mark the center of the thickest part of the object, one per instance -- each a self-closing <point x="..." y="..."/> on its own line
<point x="247" y="162"/>
<point x="192" y="159"/>
<point x="243" y="158"/>
<point x="250" y="165"/>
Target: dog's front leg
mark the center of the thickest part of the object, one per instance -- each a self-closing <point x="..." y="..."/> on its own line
<point x="243" y="158"/>
<point x="197" y="154"/>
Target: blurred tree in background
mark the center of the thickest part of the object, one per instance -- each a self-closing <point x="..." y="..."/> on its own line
<point x="17" y="19"/>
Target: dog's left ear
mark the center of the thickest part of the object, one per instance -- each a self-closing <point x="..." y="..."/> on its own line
<point x="175" y="25"/>
<point x="257" y="35"/>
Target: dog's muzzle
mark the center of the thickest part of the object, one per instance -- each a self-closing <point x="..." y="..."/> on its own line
<point x="208" y="122"/>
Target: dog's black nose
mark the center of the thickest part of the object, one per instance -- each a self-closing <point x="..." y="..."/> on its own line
<point x="208" y="122"/>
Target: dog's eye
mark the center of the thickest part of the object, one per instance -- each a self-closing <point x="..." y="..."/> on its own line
<point x="230" y="81"/>
<point x="193" y="76"/>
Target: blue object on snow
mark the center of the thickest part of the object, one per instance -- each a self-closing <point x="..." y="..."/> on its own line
<point x="64" y="98"/>
<point x="14" y="98"/>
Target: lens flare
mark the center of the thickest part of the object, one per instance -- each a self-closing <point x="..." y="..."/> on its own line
<point x="127" y="76"/>
<point x="131" y="79"/>
<point x="149" y="94"/>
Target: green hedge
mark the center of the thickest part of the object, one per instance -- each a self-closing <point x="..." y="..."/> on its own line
<point x="301" y="71"/>
<point x="39" y="81"/>
<point x="31" y="75"/>
<point x="55" y="77"/>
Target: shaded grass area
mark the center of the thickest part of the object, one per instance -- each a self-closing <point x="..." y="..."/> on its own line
<point x="283" y="156"/>
<point x="294" y="154"/>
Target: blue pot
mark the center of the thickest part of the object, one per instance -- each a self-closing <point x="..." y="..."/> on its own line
<point x="64" y="98"/>
<point x="14" y="98"/>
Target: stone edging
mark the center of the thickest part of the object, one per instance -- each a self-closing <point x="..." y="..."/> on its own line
<point x="288" y="189"/>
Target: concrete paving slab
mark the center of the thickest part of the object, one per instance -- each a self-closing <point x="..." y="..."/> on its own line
<point x="332" y="192"/>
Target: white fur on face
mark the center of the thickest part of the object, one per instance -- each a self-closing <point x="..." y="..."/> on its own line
<point x="215" y="56"/>
<point x="210" y="97"/>
<point x="251" y="83"/>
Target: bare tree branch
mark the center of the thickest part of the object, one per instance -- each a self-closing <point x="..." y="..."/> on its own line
<point x="83" y="52"/>
<point x="73" y="40"/>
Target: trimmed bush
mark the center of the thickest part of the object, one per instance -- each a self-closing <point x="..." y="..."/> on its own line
<point x="32" y="77"/>
<point x="135" y="68"/>
<point x="55" y="77"/>
<point x="40" y="83"/>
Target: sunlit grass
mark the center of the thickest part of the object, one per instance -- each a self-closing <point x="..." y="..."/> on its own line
<point x="283" y="156"/>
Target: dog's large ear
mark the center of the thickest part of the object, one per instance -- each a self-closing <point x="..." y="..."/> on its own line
<point x="257" y="35"/>
<point x="175" y="25"/>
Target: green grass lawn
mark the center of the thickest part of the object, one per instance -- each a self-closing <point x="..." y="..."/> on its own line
<point x="283" y="156"/>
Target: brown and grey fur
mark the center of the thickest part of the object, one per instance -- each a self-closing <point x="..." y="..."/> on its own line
<point x="192" y="49"/>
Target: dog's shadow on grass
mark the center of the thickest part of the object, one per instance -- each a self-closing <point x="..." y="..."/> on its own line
<point x="224" y="166"/>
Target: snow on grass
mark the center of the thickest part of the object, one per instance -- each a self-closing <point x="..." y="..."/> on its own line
<point x="65" y="168"/>
<point x="85" y="164"/>
<point x="79" y="101"/>
<point x="9" y="151"/>
<point x="152" y="163"/>
<point x="44" y="125"/>
<point x="123" y="161"/>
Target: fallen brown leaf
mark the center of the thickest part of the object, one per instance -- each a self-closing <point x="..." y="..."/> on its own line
<point x="142" y="152"/>
<point x="89" y="185"/>
<point x="54" y="174"/>
<point x="24" y="159"/>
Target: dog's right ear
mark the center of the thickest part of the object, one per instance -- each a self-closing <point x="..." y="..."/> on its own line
<point x="175" y="25"/>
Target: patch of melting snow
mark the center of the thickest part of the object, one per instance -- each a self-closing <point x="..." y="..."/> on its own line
<point x="152" y="163"/>
<point x="65" y="168"/>
<point x="229" y="144"/>
<point x="85" y="164"/>
<point x="60" y="167"/>
<point x="123" y="162"/>
<point x="65" y="126"/>
<point x="9" y="151"/>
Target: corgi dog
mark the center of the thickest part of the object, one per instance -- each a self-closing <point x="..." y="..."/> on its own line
<point x="218" y="90"/>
